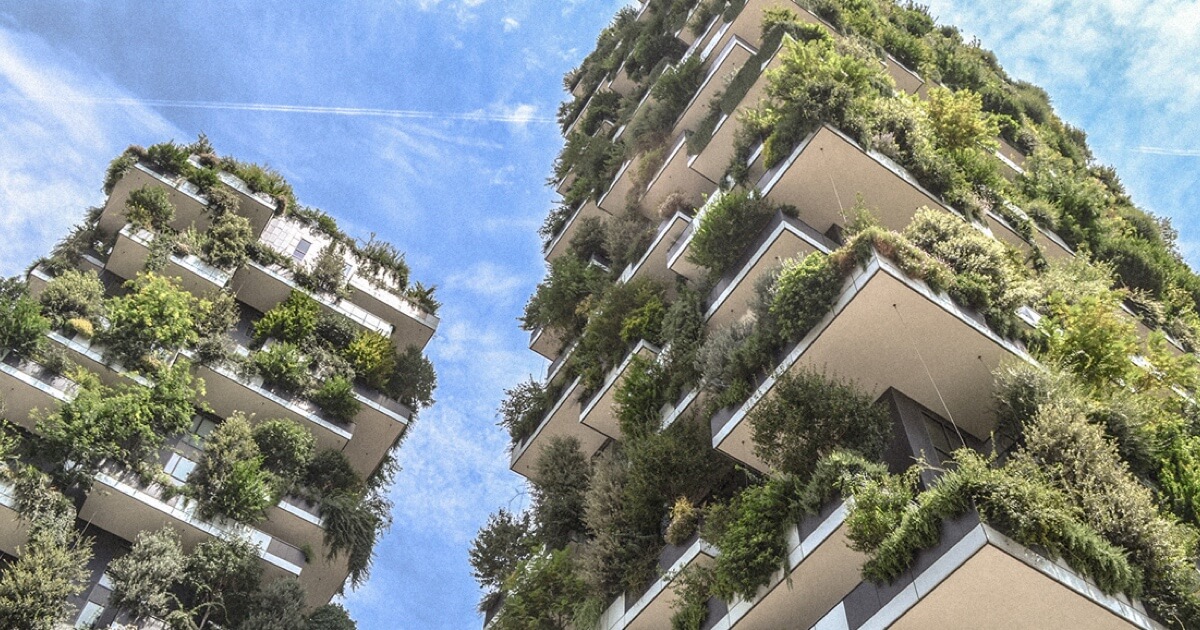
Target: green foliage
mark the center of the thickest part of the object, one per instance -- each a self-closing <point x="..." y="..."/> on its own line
<point x="119" y="167"/>
<point x="169" y="158"/>
<point x="336" y="399"/>
<point x="282" y="366"/>
<point x="634" y="308"/>
<point x="685" y="519"/>
<point x="51" y="567"/>
<point x="219" y="580"/>
<point x="229" y="481"/>
<point x="372" y="356"/>
<point x="543" y="594"/>
<point x="691" y="605"/>
<point x="413" y="379"/>
<point x="330" y="474"/>
<point x="352" y="526"/>
<point x="804" y="293"/>
<point x="809" y="416"/>
<point x="523" y="408"/>
<point x="228" y="242"/>
<point x="287" y="449"/>
<point x="21" y="322"/>
<point x="639" y="398"/>
<point x="750" y="536"/>
<point x="560" y="303"/>
<point x="149" y="207"/>
<point x="727" y="227"/>
<point x="155" y="319"/>
<point x="279" y="606"/>
<point x="559" y="483"/>
<point x="328" y="272"/>
<point x="143" y="578"/>
<point x="330" y="617"/>
<point x="1089" y="339"/>
<point x="499" y="548"/>
<point x="381" y="260"/>
<point x="73" y="294"/>
<point x="293" y="320"/>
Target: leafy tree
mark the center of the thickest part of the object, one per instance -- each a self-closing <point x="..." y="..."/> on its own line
<point x="560" y="481"/>
<point x="73" y="294"/>
<point x="373" y="359"/>
<point x="328" y="273"/>
<point x="556" y="304"/>
<point x="21" y="321"/>
<point x="292" y="320"/>
<point x="156" y="317"/>
<point x="282" y="366"/>
<point x="149" y="207"/>
<point x="1089" y="339"/>
<point x="331" y="617"/>
<point x="144" y="577"/>
<point x="228" y="242"/>
<point x="959" y="121"/>
<point x="727" y="227"/>
<point x="229" y="481"/>
<point x="286" y="448"/>
<point x="543" y="594"/>
<point x="522" y="408"/>
<point x="279" y="606"/>
<point x="330" y="473"/>
<point x="219" y="579"/>
<point x="499" y="548"/>
<point x="413" y="379"/>
<point x="336" y="398"/>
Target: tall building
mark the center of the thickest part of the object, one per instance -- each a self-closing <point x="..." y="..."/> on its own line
<point x="803" y="247"/>
<point x="207" y="356"/>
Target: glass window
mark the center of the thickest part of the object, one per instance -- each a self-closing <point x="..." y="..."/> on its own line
<point x="301" y="249"/>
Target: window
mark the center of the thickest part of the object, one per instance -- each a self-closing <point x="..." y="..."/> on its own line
<point x="945" y="439"/>
<point x="301" y="249"/>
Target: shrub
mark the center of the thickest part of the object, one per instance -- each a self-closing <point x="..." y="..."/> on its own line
<point x="810" y="415"/>
<point x="381" y="259"/>
<point x="373" y="358"/>
<point x="282" y="366"/>
<point x="73" y="294"/>
<point x="726" y="229"/>
<point x="228" y="242"/>
<point x="555" y="305"/>
<point x="228" y="481"/>
<point x="169" y="158"/>
<point x="330" y="617"/>
<point x="328" y="273"/>
<point x="804" y="293"/>
<point x="523" y="408"/>
<point x="336" y="399"/>
<point x="1089" y="339"/>
<point x="413" y="380"/>
<point x="149" y="207"/>
<point x="639" y="398"/>
<point x="559" y="483"/>
<point x="279" y="605"/>
<point x="287" y="449"/>
<point x="330" y="474"/>
<point x="543" y="592"/>
<point x="749" y="532"/>
<point x="119" y="167"/>
<point x="292" y="320"/>
<point x="143" y="578"/>
<point x="81" y="326"/>
<point x="156" y="316"/>
<point x="21" y="323"/>
<point x="685" y="519"/>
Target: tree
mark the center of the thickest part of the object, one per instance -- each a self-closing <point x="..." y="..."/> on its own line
<point x="331" y="617"/>
<point x="286" y="448"/>
<point x="228" y="241"/>
<point x="229" y="481"/>
<point x="149" y="207"/>
<point x="143" y="578"/>
<point x="73" y="294"/>
<point x="279" y="606"/>
<point x="293" y="320"/>
<point x="499" y="548"/>
<point x="560" y="481"/>
<point x="219" y="579"/>
<point x="413" y="378"/>
<point x="21" y="322"/>
<point x="156" y="316"/>
<point x="543" y="594"/>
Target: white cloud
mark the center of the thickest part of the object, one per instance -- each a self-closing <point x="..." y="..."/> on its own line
<point x="520" y="115"/>
<point x="510" y="24"/>
<point x="486" y="279"/>
<point x="53" y="146"/>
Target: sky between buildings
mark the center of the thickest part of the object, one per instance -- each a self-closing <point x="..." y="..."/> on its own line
<point x="79" y="81"/>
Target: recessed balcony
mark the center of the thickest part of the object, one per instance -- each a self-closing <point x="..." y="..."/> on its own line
<point x="118" y="503"/>
<point x="827" y="171"/>
<point x="599" y="412"/>
<point x="132" y="249"/>
<point x="558" y="245"/>
<point x="264" y="287"/>
<point x="888" y="330"/>
<point x="654" y="608"/>
<point x="25" y="386"/>
<point x="976" y="577"/>
<point x="821" y="569"/>
<point x="784" y="238"/>
<point x="561" y="421"/>
<point x="675" y="176"/>
<point x="653" y="264"/>
<point x="726" y="66"/>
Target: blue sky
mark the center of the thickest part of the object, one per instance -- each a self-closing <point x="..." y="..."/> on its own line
<point x="81" y="80"/>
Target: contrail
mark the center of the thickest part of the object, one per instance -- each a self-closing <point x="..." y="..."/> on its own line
<point x="294" y="109"/>
<point x="1165" y="151"/>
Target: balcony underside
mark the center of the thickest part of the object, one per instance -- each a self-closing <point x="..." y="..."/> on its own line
<point x="827" y="171"/>
<point x="889" y="331"/>
<point x="735" y="55"/>
<point x="410" y="325"/>
<point x="675" y="177"/>
<point x="559" y="245"/>
<point x="547" y="343"/>
<point x="25" y="387"/>
<point x="653" y="264"/>
<point x="128" y="259"/>
<point x="713" y="161"/>
<point x="263" y="288"/>
<point x="190" y="207"/>
<point x="561" y="421"/>
<point x="13" y="531"/>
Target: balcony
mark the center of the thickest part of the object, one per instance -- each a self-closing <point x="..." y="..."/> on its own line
<point x="561" y="421"/>
<point x="622" y="191"/>
<point x="264" y="287"/>
<point x="675" y="176"/>
<point x="90" y="356"/>
<point x="726" y="66"/>
<point x="558" y="245"/>
<point x="887" y="330"/>
<point x="118" y="503"/>
<point x="547" y="343"/>
<point x="687" y="402"/>
<point x="1053" y="247"/>
<point x="653" y="264"/>
<point x="190" y="205"/>
<point x="132" y="249"/>
<point x="37" y="279"/>
<point x="976" y="577"/>
<point x="783" y="239"/>
<point x="653" y="608"/>
<point x="825" y="173"/>
<point x="821" y="570"/>
<point x="13" y="531"/>
<point x="907" y="80"/>
<point x="599" y="412"/>
<point x="25" y="386"/>
<point x="677" y="256"/>
<point x="411" y="324"/>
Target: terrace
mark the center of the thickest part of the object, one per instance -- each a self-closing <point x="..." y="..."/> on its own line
<point x="26" y="386"/>
<point x="133" y="248"/>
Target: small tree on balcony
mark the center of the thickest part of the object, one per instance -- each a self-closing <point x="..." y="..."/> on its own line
<point x="149" y="207"/>
<point x="328" y="273"/>
<point x="143" y="578"/>
<point x="331" y="617"/>
<point x="279" y="606"/>
<point x="498" y="549"/>
<point x="413" y="379"/>
<point x="219" y="581"/>
<point x="156" y="318"/>
<point x="73" y="294"/>
<point x="228" y="242"/>
<point x="336" y="398"/>
<point x="282" y="366"/>
<point x="229" y="481"/>
<point x="293" y="320"/>
<point x="21" y="321"/>
<point x="287" y="449"/>
<point x="560" y="481"/>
